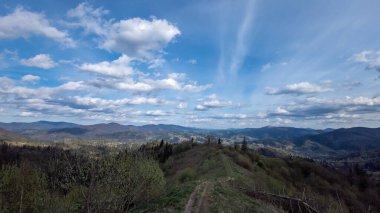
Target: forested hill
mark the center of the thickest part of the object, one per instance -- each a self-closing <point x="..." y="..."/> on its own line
<point x="183" y="177"/>
<point x="296" y="140"/>
<point x="351" y="139"/>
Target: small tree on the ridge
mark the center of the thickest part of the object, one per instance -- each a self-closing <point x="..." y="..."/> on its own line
<point x="236" y="146"/>
<point x="244" y="146"/>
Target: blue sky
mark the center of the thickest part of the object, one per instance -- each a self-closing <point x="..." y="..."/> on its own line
<point x="213" y="64"/>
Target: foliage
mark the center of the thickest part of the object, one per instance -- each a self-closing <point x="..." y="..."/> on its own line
<point x="187" y="174"/>
<point x="22" y="189"/>
<point x="51" y="179"/>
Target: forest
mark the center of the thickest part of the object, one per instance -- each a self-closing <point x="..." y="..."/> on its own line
<point x="164" y="177"/>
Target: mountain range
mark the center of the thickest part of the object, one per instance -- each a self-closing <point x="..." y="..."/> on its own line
<point x="300" y="140"/>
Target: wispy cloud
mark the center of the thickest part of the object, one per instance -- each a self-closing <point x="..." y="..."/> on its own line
<point x="240" y="49"/>
<point x="371" y="59"/>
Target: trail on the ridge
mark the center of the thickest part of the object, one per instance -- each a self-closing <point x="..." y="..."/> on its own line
<point x="198" y="200"/>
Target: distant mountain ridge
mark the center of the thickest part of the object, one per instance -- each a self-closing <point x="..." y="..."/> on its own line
<point x="113" y="129"/>
<point x="6" y="135"/>
<point x="306" y="140"/>
<point x="353" y="139"/>
<point x="270" y="132"/>
<point x="38" y="125"/>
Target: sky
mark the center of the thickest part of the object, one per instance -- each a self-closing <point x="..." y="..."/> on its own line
<point x="203" y="63"/>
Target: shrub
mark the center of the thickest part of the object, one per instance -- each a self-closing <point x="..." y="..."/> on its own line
<point x="243" y="161"/>
<point x="260" y="164"/>
<point x="254" y="156"/>
<point x="182" y="147"/>
<point x="187" y="175"/>
<point x="126" y="181"/>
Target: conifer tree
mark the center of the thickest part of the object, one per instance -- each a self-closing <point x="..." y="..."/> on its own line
<point x="244" y="146"/>
<point x="236" y="146"/>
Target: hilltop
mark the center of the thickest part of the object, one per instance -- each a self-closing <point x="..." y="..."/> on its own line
<point x="213" y="178"/>
<point x="184" y="177"/>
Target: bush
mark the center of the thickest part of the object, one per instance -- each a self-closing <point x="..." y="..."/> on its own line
<point x="260" y="164"/>
<point x="254" y="156"/>
<point x="125" y="181"/>
<point x="243" y="161"/>
<point x="187" y="175"/>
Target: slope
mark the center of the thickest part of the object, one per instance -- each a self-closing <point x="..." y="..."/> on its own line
<point x="212" y="178"/>
<point x="350" y="139"/>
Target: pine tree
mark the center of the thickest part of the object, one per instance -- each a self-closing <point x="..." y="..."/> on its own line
<point x="236" y="146"/>
<point x="244" y="146"/>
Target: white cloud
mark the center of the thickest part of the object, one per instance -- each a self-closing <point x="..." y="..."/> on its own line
<point x="144" y="100"/>
<point x="30" y="78"/>
<point x="236" y="116"/>
<point x="9" y="90"/>
<point x="370" y="58"/>
<point x="28" y="114"/>
<point x="192" y="61"/>
<point x="72" y="86"/>
<point x="139" y="38"/>
<point x="156" y="62"/>
<point x="200" y="108"/>
<point x="150" y="113"/>
<point x="41" y="61"/>
<point x="135" y="37"/>
<point x="280" y="121"/>
<point x="282" y="111"/>
<point x="117" y="68"/>
<point x="145" y="84"/>
<point x="322" y="109"/>
<point x="59" y="101"/>
<point x="212" y="101"/>
<point x="177" y="76"/>
<point x="156" y="113"/>
<point x="364" y="101"/>
<point x="100" y="103"/>
<point x="182" y="105"/>
<point x="23" y="23"/>
<point x="298" y="89"/>
<point x="266" y="67"/>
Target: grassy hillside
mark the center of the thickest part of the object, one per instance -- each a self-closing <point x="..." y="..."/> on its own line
<point x="185" y="177"/>
<point x="212" y="178"/>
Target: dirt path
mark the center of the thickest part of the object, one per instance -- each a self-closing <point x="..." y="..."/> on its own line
<point x="198" y="201"/>
<point x="191" y="201"/>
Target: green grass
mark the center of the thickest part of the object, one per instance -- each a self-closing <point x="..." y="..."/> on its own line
<point x="231" y="173"/>
<point x="174" y="200"/>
